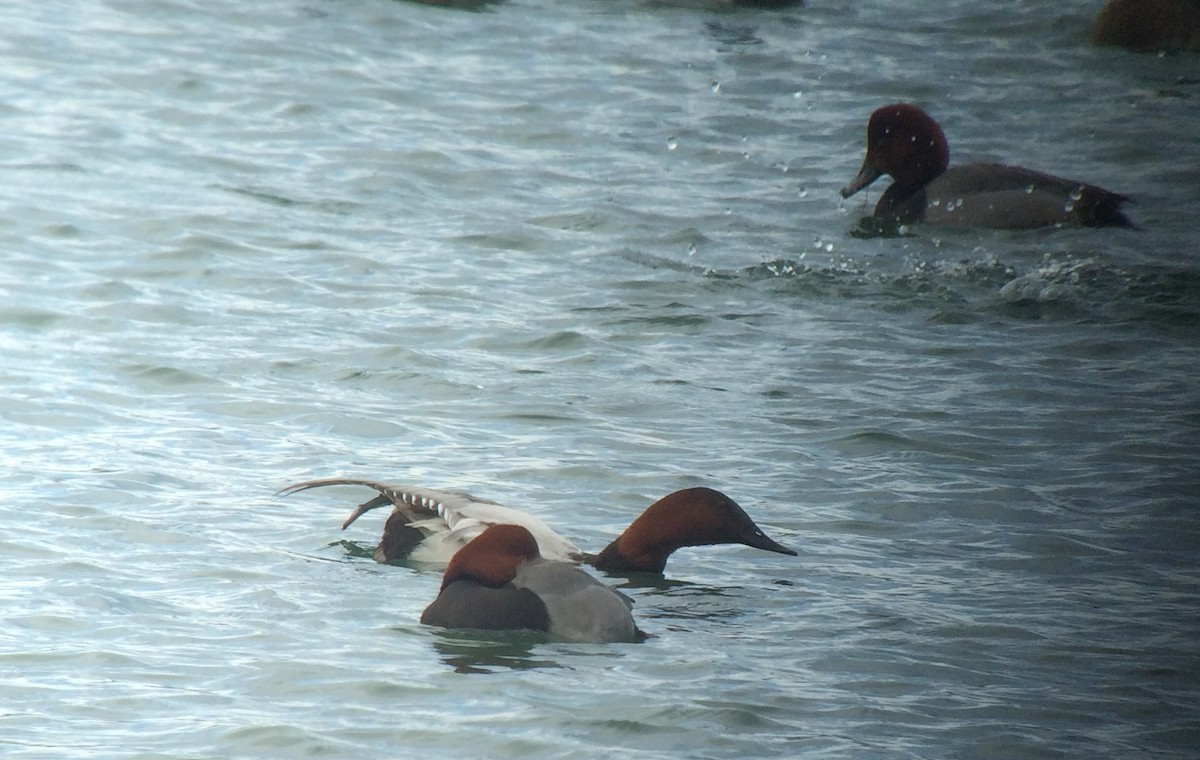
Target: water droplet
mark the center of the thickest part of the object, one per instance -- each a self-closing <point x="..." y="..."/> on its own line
<point x="797" y="94"/>
<point x="672" y="143"/>
<point x="691" y="249"/>
<point x="715" y="87"/>
<point x="1072" y="199"/>
<point x="804" y="192"/>
<point x="1029" y="190"/>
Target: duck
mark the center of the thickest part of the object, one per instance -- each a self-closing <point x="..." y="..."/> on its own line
<point x="430" y="526"/>
<point x="905" y="142"/>
<point x="1146" y="26"/>
<point x="500" y="581"/>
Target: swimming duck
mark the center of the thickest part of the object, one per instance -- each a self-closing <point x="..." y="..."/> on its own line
<point x="903" y="141"/>
<point x="1148" y="25"/>
<point x="428" y="525"/>
<point x="500" y="581"/>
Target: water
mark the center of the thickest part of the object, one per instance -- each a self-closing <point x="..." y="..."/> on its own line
<point x="573" y="256"/>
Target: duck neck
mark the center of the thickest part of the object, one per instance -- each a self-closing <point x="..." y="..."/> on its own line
<point x="901" y="204"/>
<point x="615" y="559"/>
<point x="649" y="540"/>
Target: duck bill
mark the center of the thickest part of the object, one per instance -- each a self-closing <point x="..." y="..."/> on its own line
<point x="759" y="540"/>
<point x="866" y="175"/>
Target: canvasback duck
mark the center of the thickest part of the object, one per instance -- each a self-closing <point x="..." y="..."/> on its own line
<point x="500" y="581"/>
<point x="427" y="525"/>
<point x="1147" y="26"/>
<point x="903" y="141"/>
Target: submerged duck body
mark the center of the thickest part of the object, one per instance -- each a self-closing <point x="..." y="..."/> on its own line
<point x="906" y="143"/>
<point x="428" y="525"/>
<point x="499" y="581"/>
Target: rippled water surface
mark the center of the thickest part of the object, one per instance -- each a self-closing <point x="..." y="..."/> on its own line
<point x="572" y="256"/>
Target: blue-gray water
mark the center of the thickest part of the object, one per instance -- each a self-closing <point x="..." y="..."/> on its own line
<point x="572" y="256"/>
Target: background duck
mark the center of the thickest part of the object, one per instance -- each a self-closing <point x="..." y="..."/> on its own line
<point x="905" y="142"/>
<point x="1147" y="26"/>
